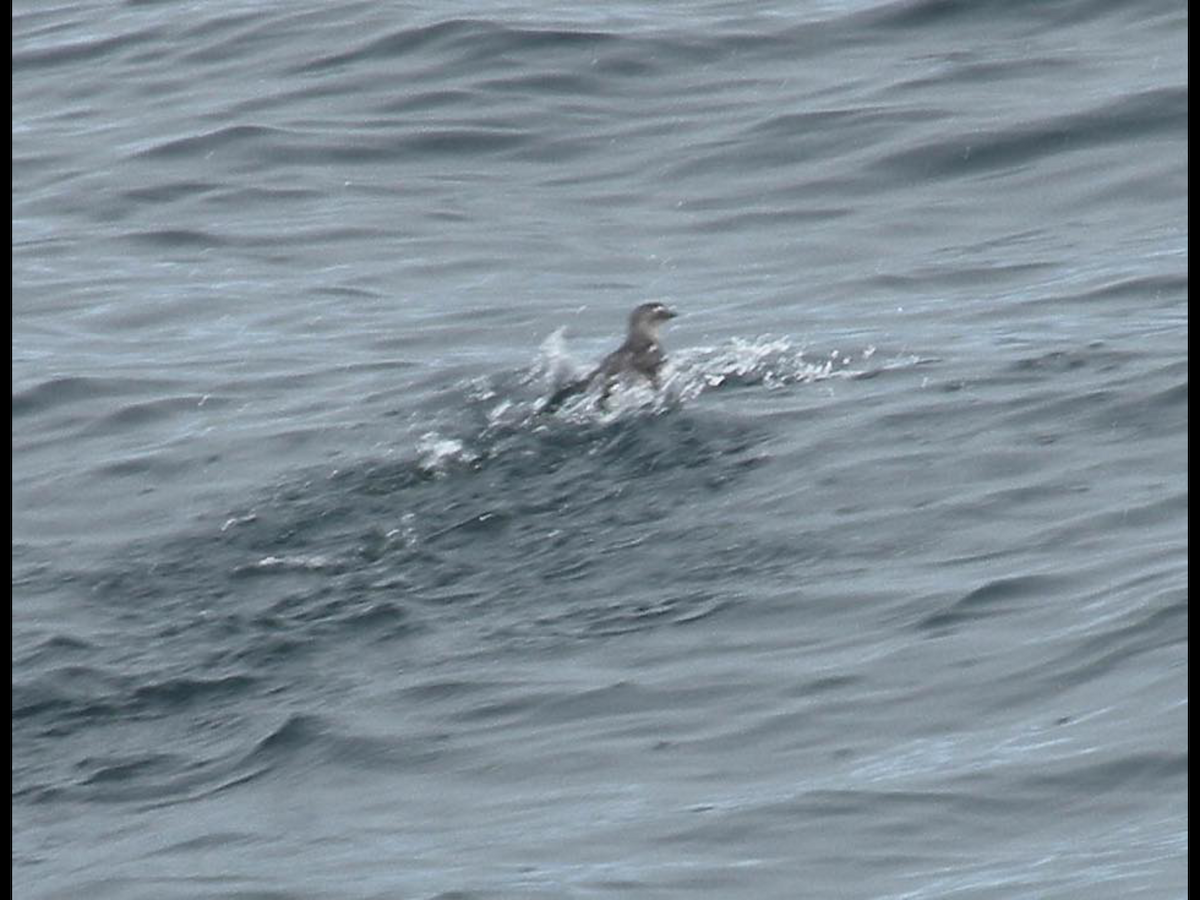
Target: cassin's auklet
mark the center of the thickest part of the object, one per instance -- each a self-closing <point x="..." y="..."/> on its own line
<point x="641" y="354"/>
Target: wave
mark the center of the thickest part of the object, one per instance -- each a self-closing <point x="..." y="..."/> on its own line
<point x="473" y="526"/>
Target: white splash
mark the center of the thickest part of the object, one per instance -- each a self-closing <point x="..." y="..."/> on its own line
<point x="436" y="453"/>
<point x="772" y="362"/>
<point x="303" y="563"/>
<point x="239" y="520"/>
<point x="554" y="365"/>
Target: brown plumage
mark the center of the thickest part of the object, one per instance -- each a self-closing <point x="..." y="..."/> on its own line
<point x="641" y="354"/>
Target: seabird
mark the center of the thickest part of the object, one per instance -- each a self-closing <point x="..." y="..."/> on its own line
<point x="640" y="355"/>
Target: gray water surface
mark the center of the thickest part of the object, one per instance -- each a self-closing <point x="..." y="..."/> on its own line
<point x="882" y="595"/>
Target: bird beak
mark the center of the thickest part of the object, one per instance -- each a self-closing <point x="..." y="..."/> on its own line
<point x="670" y="313"/>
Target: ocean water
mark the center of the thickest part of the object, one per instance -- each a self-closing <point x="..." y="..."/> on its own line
<point x="882" y="594"/>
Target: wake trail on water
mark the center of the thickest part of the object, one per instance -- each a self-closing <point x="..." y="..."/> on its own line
<point x="521" y="402"/>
